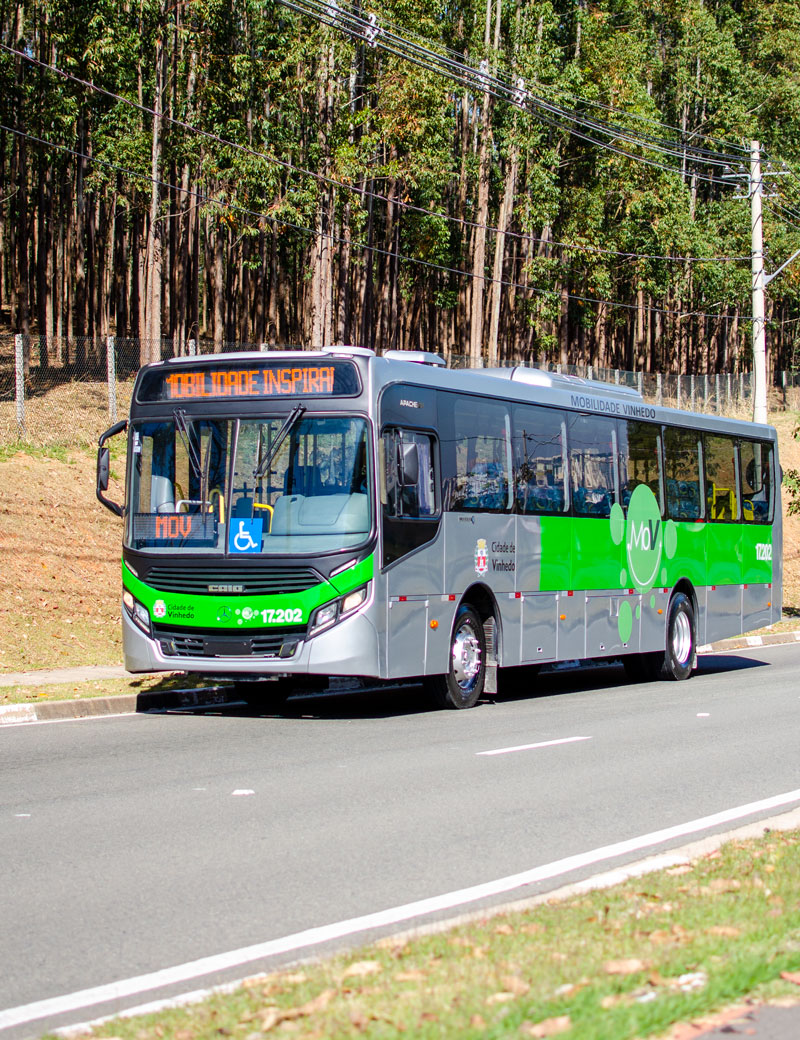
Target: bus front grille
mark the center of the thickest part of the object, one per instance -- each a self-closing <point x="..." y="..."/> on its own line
<point x="192" y="643"/>
<point x="209" y="580"/>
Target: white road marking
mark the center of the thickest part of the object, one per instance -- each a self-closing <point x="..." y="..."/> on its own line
<point x="380" y="919"/>
<point x="532" y="747"/>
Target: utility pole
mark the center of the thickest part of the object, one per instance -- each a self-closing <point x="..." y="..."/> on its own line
<point x="759" y="284"/>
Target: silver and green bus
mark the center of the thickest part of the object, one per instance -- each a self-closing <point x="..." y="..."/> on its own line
<point x="295" y="517"/>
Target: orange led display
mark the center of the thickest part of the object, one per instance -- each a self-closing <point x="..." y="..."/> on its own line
<point x="276" y="381"/>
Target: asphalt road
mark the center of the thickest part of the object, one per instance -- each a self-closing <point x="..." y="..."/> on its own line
<point x="144" y="844"/>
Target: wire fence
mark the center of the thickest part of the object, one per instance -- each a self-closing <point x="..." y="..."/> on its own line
<point x="67" y="392"/>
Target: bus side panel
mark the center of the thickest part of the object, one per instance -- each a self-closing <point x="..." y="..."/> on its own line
<point x="758" y="576"/>
<point x="724" y="555"/>
<point x="529" y="629"/>
<point x="413" y="585"/>
<point x="597" y="563"/>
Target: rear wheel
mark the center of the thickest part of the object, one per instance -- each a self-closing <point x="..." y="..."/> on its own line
<point x="462" y="686"/>
<point x="675" y="662"/>
<point x="679" y="654"/>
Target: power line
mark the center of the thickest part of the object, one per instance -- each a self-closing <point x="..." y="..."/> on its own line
<point x="483" y="80"/>
<point x="361" y="192"/>
<point x="367" y="247"/>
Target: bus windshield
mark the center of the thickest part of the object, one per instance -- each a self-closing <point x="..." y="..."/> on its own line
<point x="249" y="486"/>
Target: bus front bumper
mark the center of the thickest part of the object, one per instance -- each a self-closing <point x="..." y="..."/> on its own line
<point x="347" y="648"/>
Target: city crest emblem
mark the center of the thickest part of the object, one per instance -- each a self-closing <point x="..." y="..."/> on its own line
<point x="481" y="557"/>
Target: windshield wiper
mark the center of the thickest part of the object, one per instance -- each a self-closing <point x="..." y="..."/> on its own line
<point x="182" y="426"/>
<point x="280" y="437"/>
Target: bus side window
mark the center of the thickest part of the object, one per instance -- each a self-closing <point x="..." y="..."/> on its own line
<point x="409" y="474"/>
<point x="481" y="453"/>
<point x="682" y="474"/>
<point x="722" y="484"/>
<point x="639" y="459"/>
<point x="755" y="469"/>
<point x="538" y="461"/>
<point x="592" y="465"/>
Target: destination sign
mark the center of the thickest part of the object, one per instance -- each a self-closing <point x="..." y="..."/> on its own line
<point x="258" y="380"/>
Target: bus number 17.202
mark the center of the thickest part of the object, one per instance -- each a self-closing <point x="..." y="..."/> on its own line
<point x="289" y="616"/>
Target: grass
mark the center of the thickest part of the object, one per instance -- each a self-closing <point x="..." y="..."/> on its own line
<point x="619" y="963"/>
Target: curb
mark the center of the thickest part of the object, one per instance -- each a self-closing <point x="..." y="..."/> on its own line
<point x="122" y="704"/>
<point x="131" y="703"/>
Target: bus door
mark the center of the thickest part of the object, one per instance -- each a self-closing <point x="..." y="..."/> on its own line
<point x="413" y="559"/>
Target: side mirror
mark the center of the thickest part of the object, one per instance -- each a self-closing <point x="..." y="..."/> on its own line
<point x="407" y="464"/>
<point x="104" y="466"/>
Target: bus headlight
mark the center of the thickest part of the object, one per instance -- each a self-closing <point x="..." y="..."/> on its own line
<point x="137" y="611"/>
<point x="353" y="600"/>
<point x="332" y="612"/>
<point x="324" y="617"/>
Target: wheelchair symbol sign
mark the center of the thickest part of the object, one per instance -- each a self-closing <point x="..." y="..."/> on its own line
<point x="244" y="536"/>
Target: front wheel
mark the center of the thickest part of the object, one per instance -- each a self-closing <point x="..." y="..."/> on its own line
<point x="462" y="686"/>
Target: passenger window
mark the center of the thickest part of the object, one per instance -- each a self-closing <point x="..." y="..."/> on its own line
<point x="639" y="459"/>
<point x="591" y="464"/>
<point x="409" y="475"/>
<point x="682" y="474"/>
<point x="538" y="461"/>
<point x="756" y="472"/>
<point x="721" y="481"/>
<point x="482" y="457"/>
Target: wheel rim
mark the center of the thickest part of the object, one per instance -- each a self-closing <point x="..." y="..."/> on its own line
<point x="681" y="638"/>
<point x="466" y="657"/>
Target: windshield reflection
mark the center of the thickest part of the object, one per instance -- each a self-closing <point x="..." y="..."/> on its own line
<point x="242" y="487"/>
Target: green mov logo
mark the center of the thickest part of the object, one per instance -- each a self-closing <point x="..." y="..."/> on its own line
<point x="649" y="541"/>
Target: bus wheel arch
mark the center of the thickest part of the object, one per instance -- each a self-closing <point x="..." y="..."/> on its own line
<point x="471" y="652"/>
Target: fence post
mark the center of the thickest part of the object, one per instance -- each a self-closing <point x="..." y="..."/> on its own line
<point x="616" y="376"/>
<point x="640" y="382"/>
<point x="19" y="379"/>
<point x="659" y="390"/>
<point x="264" y="347"/>
<point x="717" y="393"/>
<point x="192" y="347"/>
<point x="679" y="389"/>
<point x="111" y="370"/>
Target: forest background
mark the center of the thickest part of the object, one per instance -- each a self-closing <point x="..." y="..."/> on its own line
<point x="224" y="172"/>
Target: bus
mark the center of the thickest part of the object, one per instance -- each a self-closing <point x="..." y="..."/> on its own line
<point x="293" y="518"/>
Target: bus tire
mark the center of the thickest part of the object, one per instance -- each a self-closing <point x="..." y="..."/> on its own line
<point x="680" y="650"/>
<point x="462" y="686"/>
